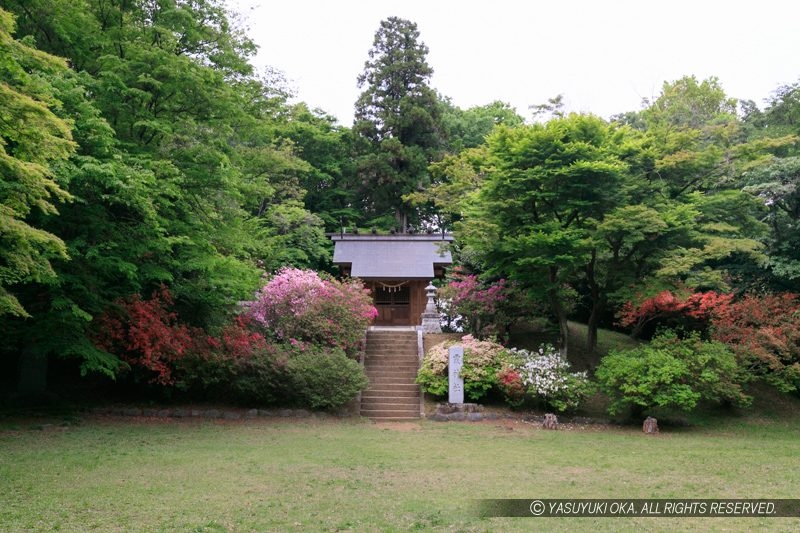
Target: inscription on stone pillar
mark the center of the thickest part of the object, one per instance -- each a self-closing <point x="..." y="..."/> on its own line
<point x="454" y="369"/>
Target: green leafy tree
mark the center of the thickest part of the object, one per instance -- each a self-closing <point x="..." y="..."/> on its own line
<point x="532" y="217"/>
<point x="782" y="115"/>
<point x="33" y="142"/>
<point x="459" y="173"/>
<point x="327" y="149"/>
<point x="693" y="150"/>
<point x="554" y="108"/>
<point x="777" y="183"/>
<point x="775" y="179"/>
<point x="397" y="127"/>
<point x="181" y="174"/>
<point x="468" y="128"/>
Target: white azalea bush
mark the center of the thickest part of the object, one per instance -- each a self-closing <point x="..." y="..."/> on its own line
<point x="545" y="376"/>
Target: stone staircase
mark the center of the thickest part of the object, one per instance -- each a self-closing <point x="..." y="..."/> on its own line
<point x="391" y="363"/>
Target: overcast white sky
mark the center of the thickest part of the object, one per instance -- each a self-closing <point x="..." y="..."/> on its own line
<point x="604" y="56"/>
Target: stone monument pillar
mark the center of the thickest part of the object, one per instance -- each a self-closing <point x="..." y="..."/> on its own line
<point x="455" y="381"/>
<point x="430" y="317"/>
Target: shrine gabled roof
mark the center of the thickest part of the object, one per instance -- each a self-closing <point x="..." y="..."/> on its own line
<point x="400" y="256"/>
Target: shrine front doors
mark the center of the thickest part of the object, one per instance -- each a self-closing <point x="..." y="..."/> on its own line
<point x="393" y="301"/>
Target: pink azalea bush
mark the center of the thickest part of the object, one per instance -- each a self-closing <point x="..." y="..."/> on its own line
<point x="482" y="361"/>
<point x="301" y="306"/>
<point x="484" y="310"/>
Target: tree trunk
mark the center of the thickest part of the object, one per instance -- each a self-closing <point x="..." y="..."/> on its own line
<point x="31" y="371"/>
<point x="637" y="329"/>
<point x="591" y="329"/>
<point x="558" y="310"/>
<point x="598" y="304"/>
<point x="402" y="220"/>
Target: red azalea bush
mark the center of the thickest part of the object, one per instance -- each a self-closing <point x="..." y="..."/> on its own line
<point x="668" y="310"/>
<point x="762" y="330"/>
<point x="301" y="305"/>
<point x="146" y="335"/>
<point x="239" y="364"/>
<point x="511" y="385"/>
<point x="764" y="333"/>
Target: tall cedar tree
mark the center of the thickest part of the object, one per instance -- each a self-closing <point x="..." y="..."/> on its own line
<point x="397" y="122"/>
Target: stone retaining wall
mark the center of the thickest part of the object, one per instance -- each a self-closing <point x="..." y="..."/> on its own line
<point x="223" y="414"/>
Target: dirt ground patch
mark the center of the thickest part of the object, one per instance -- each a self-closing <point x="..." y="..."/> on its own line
<point x="399" y="426"/>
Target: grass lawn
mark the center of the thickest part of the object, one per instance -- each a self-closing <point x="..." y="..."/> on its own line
<point x="135" y="474"/>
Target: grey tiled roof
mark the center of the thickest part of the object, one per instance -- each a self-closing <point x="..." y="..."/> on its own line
<point x="392" y="257"/>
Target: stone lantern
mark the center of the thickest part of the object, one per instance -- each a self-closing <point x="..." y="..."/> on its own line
<point x="430" y="318"/>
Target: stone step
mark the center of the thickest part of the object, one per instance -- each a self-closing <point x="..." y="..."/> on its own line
<point x="389" y="351"/>
<point x="392" y="344"/>
<point x="390" y="398"/>
<point x="386" y="413"/>
<point x="392" y="365"/>
<point x="384" y="367"/>
<point x="394" y="360"/>
<point x="381" y="393"/>
<point x="400" y="373"/>
<point x="375" y="380"/>
<point x="389" y="403"/>
<point x="391" y="361"/>
<point x="388" y="386"/>
<point x="390" y="380"/>
<point x="392" y="348"/>
<point x="385" y="359"/>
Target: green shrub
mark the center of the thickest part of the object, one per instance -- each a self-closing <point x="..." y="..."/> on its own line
<point x="259" y="378"/>
<point x="671" y="373"/>
<point x="324" y="379"/>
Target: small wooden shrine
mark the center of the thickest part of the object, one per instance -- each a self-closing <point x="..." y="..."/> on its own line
<point x="396" y="267"/>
